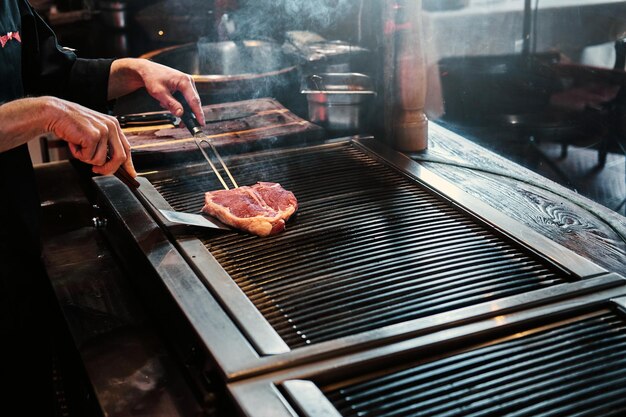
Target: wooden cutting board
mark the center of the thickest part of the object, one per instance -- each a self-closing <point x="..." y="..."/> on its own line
<point x="235" y="127"/>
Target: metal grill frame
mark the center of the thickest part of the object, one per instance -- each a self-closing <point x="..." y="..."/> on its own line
<point x="295" y="392"/>
<point x="235" y="334"/>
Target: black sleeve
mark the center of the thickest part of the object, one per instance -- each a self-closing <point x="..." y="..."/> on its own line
<point x="49" y="69"/>
<point x="89" y="81"/>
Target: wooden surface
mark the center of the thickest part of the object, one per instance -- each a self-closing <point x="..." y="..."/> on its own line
<point x="567" y="218"/>
<point x="248" y="125"/>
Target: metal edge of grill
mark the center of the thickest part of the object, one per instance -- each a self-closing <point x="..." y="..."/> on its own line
<point x="306" y="390"/>
<point x="269" y="351"/>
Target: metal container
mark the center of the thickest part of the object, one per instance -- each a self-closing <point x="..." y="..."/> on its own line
<point x="339" y="102"/>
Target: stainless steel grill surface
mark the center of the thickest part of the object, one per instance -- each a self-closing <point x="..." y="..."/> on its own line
<point x="575" y="369"/>
<point x="369" y="247"/>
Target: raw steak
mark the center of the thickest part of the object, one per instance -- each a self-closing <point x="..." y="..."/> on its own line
<point x="261" y="209"/>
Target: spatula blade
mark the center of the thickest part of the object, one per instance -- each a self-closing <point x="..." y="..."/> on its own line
<point x="191" y="219"/>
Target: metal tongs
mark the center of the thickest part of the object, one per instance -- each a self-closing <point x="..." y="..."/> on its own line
<point x="199" y="137"/>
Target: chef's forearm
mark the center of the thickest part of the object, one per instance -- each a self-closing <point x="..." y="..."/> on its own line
<point x="22" y="120"/>
<point x="125" y="77"/>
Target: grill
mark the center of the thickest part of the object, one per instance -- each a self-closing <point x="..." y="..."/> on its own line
<point x="562" y="359"/>
<point x="369" y="247"/>
<point x="570" y="370"/>
<point x="380" y="251"/>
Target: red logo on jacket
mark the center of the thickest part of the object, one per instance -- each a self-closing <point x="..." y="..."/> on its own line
<point x="10" y="35"/>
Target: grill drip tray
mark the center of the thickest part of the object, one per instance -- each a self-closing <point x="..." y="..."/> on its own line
<point x="379" y="248"/>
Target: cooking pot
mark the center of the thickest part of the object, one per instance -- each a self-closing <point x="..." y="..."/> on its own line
<point x="230" y="71"/>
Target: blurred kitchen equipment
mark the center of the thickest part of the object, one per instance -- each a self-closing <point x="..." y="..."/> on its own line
<point x="481" y="90"/>
<point x="505" y="89"/>
<point x="113" y="13"/>
<point x="177" y="21"/>
<point x="340" y="102"/>
<point x="444" y="5"/>
<point x="321" y="55"/>
<point x="41" y="6"/>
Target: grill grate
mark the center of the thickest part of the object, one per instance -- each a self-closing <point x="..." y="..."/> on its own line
<point x="572" y="370"/>
<point x="367" y="248"/>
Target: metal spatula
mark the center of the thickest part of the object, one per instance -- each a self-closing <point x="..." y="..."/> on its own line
<point x="190" y="219"/>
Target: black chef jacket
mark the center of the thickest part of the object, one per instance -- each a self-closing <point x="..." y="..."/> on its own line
<point x="31" y="64"/>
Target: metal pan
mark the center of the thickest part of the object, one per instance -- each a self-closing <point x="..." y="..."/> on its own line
<point x="226" y="71"/>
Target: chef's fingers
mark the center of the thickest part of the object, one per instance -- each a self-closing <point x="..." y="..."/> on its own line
<point x="160" y="91"/>
<point x="194" y="104"/>
<point x="102" y="150"/>
<point x="196" y="99"/>
<point x="88" y="140"/>
<point x="116" y="154"/>
<point x="74" y="150"/>
<point x="187" y="88"/>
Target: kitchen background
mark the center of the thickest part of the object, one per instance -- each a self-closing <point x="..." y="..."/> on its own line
<point x="509" y="74"/>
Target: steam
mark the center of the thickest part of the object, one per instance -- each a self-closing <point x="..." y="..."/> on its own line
<point x="270" y="20"/>
<point x="262" y="19"/>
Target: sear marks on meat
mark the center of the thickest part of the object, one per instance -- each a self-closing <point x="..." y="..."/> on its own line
<point x="261" y="209"/>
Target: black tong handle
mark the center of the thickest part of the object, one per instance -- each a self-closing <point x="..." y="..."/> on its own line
<point x="188" y="117"/>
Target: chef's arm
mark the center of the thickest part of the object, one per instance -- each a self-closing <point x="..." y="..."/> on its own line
<point x="49" y="69"/>
<point x="130" y="74"/>
<point x="92" y="137"/>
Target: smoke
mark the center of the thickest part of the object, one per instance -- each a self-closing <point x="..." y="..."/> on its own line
<point x="272" y="18"/>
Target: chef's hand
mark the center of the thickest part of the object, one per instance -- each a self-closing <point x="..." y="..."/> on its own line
<point x="94" y="138"/>
<point x="130" y="74"/>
